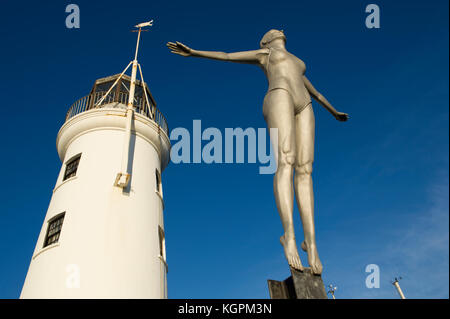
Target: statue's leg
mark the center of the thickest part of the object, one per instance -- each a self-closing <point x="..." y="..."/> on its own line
<point x="304" y="129"/>
<point x="279" y="113"/>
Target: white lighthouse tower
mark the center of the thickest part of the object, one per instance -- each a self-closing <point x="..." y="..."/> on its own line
<point x="103" y="235"/>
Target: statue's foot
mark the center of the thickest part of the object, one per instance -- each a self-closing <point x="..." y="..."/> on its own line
<point x="304" y="246"/>
<point x="291" y="252"/>
<point x="313" y="258"/>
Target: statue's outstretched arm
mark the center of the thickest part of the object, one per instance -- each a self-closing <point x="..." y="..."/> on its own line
<point x="323" y="101"/>
<point x="251" y="57"/>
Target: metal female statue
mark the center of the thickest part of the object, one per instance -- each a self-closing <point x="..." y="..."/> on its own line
<point x="287" y="107"/>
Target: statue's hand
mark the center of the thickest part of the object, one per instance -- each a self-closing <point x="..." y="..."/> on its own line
<point x="179" y="48"/>
<point x="341" y="116"/>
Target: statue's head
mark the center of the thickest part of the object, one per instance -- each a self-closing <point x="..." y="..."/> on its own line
<point x="270" y="36"/>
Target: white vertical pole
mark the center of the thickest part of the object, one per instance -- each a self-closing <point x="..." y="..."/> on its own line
<point x="399" y="290"/>
<point x="123" y="177"/>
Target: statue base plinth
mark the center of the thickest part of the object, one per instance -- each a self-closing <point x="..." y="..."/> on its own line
<point x="301" y="285"/>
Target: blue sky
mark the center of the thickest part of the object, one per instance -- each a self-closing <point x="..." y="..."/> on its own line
<point x="380" y="180"/>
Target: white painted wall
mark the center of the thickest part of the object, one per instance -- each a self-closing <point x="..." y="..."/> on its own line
<point x="109" y="239"/>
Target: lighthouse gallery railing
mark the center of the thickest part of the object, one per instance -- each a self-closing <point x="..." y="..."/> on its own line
<point x="89" y="102"/>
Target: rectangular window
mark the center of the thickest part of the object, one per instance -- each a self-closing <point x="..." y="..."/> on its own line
<point x="162" y="243"/>
<point x="54" y="229"/>
<point x="158" y="182"/>
<point x="71" y="167"/>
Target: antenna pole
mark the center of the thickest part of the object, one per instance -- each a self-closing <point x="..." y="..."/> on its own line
<point x="133" y="75"/>
<point x="137" y="44"/>
<point x="399" y="290"/>
<point x="123" y="178"/>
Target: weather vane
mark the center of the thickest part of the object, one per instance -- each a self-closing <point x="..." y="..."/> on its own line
<point x="144" y="24"/>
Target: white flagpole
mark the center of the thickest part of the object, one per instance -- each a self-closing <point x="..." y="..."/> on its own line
<point x="397" y="286"/>
<point x="123" y="178"/>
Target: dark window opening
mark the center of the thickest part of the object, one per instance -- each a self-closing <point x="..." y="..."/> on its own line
<point x="158" y="182"/>
<point x="162" y="244"/>
<point x="54" y="230"/>
<point x="71" y="167"/>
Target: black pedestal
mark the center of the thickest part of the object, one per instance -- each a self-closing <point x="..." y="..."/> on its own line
<point x="301" y="285"/>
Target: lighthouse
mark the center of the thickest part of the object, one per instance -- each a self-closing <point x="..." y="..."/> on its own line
<point x="103" y="235"/>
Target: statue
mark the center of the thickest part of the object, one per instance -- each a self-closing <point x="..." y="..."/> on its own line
<point x="287" y="107"/>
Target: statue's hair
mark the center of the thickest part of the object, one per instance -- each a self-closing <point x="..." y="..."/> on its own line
<point x="270" y="36"/>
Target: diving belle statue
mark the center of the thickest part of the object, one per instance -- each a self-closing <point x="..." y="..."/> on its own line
<point x="287" y="107"/>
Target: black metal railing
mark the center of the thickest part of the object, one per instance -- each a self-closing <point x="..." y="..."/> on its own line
<point x="120" y="100"/>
